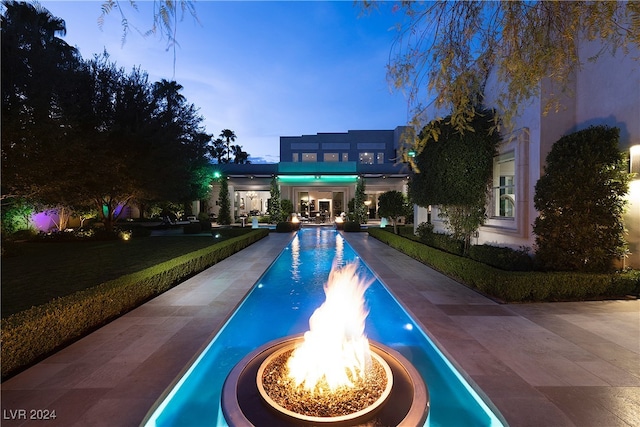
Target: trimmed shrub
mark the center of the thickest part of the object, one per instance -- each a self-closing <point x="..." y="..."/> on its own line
<point x="441" y="241"/>
<point x="32" y="334"/>
<point x="230" y="231"/>
<point x="351" y="226"/>
<point x="502" y="258"/>
<point x="515" y="286"/>
<point x="581" y="200"/>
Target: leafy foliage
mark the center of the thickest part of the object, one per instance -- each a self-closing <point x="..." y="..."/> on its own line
<point x="224" y="215"/>
<point x="165" y="17"/>
<point x="445" y="50"/>
<point x="444" y="242"/>
<point x="16" y="214"/>
<point x="357" y="209"/>
<point x="77" y="133"/>
<point x="275" y="207"/>
<point x="580" y="199"/>
<point x="287" y="207"/>
<point x="515" y="286"/>
<point x="502" y="258"/>
<point x="455" y="169"/>
<point x="393" y="204"/>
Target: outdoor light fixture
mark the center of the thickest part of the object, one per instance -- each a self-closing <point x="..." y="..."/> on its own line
<point x="634" y="160"/>
<point x="411" y="153"/>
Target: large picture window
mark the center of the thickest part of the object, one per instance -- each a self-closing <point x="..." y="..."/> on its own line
<point x="309" y="157"/>
<point x="504" y="185"/>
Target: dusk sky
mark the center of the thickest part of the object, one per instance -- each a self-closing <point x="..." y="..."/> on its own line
<point x="262" y="69"/>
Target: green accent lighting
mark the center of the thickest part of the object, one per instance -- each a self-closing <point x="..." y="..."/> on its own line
<point x="317" y="178"/>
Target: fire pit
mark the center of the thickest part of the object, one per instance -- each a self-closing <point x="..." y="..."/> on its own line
<point x="346" y="403"/>
<point x="331" y="375"/>
<point x="243" y="404"/>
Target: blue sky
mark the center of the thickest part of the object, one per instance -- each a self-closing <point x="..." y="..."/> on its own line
<point x="262" y="69"/>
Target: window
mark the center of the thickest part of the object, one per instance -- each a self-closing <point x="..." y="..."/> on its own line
<point x="295" y="157"/>
<point x="330" y="157"/>
<point x="345" y="157"/>
<point x="366" y="158"/>
<point x="309" y="157"/>
<point x="504" y="188"/>
<point x="380" y="158"/>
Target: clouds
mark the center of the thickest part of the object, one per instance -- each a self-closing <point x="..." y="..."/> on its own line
<point x="262" y="69"/>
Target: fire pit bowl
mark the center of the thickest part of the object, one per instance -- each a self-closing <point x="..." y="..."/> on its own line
<point x="404" y="400"/>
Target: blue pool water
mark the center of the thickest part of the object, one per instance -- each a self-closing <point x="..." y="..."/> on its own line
<point x="280" y="304"/>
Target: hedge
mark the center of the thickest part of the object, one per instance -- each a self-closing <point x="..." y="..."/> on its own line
<point x="515" y="286"/>
<point x="32" y="334"/>
<point x="502" y="258"/>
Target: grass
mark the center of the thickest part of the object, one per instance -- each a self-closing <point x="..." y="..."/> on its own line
<point x="36" y="273"/>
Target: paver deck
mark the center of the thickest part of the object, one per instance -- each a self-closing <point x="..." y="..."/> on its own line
<point x="555" y="364"/>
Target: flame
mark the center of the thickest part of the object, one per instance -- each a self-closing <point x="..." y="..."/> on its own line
<point x="335" y="344"/>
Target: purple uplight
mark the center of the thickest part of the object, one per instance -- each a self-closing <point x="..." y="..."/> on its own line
<point x="44" y="221"/>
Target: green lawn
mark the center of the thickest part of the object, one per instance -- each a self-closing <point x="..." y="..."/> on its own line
<point x="38" y="272"/>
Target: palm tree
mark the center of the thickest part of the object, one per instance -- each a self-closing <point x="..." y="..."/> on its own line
<point x="168" y="91"/>
<point x="217" y="150"/>
<point x="229" y="137"/>
<point x="240" y="156"/>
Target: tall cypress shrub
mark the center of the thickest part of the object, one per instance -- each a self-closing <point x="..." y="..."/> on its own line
<point x="580" y="200"/>
<point x="275" y="208"/>
<point x="224" y="216"/>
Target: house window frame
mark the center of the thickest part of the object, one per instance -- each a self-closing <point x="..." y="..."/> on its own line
<point x="504" y="190"/>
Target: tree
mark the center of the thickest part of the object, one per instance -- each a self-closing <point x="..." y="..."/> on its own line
<point x="287" y="207"/>
<point x="229" y="136"/>
<point x="36" y="65"/>
<point x="224" y="215"/>
<point x="168" y="92"/>
<point x="239" y="156"/>
<point x="165" y="19"/>
<point x="360" y="212"/>
<point x="393" y="205"/>
<point x="446" y="50"/>
<point x="275" y="208"/>
<point x="455" y="171"/>
<point x="15" y="215"/>
<point x="580" y="199"/>
<point x="218" y="150"/>
<point x="77" y="132"/>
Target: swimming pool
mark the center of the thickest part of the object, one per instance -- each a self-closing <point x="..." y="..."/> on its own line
<point x="280" y="304"/>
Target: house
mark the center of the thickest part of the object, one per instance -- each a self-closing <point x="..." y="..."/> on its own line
<point x="318" y="174"/>
<point x="604" y="92"/>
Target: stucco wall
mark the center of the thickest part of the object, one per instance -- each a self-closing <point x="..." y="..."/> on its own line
<point x="607" y="92"/>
